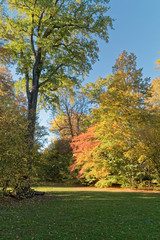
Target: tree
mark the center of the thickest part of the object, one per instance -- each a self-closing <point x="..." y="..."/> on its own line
<point x="52" y="43"/>
<point x="86" y="161"/>
<point x="119" y="118"/>
<point x="72" y="116"/>
<point x="13" y="126"/>
<point x="150" y="134"/>
<point x="122" y="114"/>
<point x="55" y="162"/>
<point x="15" y="172"/>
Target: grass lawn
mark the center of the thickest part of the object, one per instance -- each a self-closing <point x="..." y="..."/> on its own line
<point x="82" y="213"/>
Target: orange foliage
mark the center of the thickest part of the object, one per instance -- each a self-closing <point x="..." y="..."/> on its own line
<point x="82" y="146"/>
<point x="6" y="85"/>
<point x="84" y="142"/>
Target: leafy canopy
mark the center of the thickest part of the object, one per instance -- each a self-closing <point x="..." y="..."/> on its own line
<point x="13" y="125"/>
<point x="61" y="34"/>
<point x="122" y="113"/>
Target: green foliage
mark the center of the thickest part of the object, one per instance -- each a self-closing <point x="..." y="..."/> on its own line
<point x="53" y="44"/>
<point x="60" y="35"/>
<point x="15" y="159"/>
<point x="103" y="183"/>
<point x="55" y="162"/>
<point x="13" y="125"/>
<point x="110" y="181"/>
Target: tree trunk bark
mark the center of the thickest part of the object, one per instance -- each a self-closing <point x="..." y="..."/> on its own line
<point x="32" y="107"/>
<point x="32" y="100"/>
<point x="32" y="95"/>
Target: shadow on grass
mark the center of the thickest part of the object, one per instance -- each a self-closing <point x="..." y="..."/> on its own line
<point x="65" y="213"/>
<point x="62" y="192"/>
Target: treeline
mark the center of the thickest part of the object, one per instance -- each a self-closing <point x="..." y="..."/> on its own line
<point x="109" y="132"/>
<point x="52" y="45"/>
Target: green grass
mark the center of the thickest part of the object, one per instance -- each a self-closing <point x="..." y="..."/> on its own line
<point x="67" y="213"/>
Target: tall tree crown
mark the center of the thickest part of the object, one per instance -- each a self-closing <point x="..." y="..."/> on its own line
<point x="58" y="35"/>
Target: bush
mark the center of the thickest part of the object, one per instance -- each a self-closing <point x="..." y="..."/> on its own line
<point x="55" y="163"/>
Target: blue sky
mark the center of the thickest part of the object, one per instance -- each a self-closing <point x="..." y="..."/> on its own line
<point x="137" y="30"/>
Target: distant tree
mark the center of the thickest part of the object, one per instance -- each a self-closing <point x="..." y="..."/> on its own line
<point x="55" y="162"/>
<point x="86" y="160"/>
<point x="72" y="118"/>
<point x="72" y="115"/>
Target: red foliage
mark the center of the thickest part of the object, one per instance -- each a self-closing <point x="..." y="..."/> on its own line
<point x="84" y="141"/>
<point x="82" y="146"/>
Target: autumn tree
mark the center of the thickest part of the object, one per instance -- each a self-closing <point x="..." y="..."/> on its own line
<point x="72" y="116"/>
<point x="86" y="161"/>
<point x="13" y="127"/>
<point x="154" y="100"/>
<point x="52" y="43"/>
<point x="150" y="132"/>
<point x="118" y="120"/>
<point x="123" y="113"/>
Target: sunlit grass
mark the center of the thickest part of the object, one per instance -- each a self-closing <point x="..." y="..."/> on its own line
<point x="70" y="214"/>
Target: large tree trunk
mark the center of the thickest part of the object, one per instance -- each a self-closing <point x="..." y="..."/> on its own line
<point x="32" y="107"/>
<point x="32" y="100"/>
<point x="32" y="96"/>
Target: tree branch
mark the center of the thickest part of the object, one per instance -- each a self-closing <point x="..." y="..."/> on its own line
<point x="48" y="32"/>
<point x="47" y="80"/>
<point x="32" y="33"/>
<point x="56" y="2"/>
<point x="27" y="86"/>
<point x="39" y="23"/>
